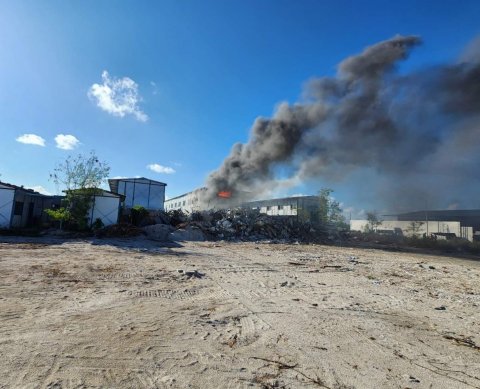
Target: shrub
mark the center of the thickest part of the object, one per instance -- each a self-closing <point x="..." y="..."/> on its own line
<point x="138" y="214"/>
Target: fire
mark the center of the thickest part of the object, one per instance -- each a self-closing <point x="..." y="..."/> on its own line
<point x="224" y="194"/>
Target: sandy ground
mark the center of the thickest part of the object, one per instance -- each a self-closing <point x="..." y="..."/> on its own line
<point x="118" y="314"/>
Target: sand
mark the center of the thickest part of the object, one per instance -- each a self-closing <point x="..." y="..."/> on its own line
<point x="122" y="314"/>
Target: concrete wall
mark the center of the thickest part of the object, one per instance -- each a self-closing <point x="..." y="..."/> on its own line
<point x="6" y="206"/>
<point x="425" y="228"/>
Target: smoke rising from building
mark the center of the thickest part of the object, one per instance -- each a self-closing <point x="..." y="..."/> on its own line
<point x="415" y="137"/>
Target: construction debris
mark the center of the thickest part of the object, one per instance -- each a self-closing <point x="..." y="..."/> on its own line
<point x="189" y="274"/>
<point x="243" y="225"/>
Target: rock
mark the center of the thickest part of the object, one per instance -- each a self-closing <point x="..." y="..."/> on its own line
<point x="188" y="234"/>
<point x="441" y="308"/>
<point x="189" y="274"/>
<point x="159" y="232"/>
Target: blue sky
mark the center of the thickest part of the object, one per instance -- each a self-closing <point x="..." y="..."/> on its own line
<point x="197" y="72"/>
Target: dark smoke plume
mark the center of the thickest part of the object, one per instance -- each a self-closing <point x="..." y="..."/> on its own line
<point x="415" y="136"/>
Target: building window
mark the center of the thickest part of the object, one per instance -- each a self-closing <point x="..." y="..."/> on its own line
<point x="183" y="202"/>
<point x="280" y="207"/>
<point x="18" y="211"/>
<point x="293" y="206"/>
<point x="269" y="207"/>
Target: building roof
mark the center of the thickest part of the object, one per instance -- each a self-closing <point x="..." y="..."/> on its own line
<point x="445" y="212"/>
<point x="185" y="194"/>
<point x="283" y="199"/>
<point x="16" y="187"/>
<point x="103" y="191"/>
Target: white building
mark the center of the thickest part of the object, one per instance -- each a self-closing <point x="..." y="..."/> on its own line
<point x="187" y="202"/>
<point x="141" y="191"/>
<point x="105" y="206"/>
<point x="404" y="227"/>
<point x="21" y="207"/>
<point x="298" y="206"/>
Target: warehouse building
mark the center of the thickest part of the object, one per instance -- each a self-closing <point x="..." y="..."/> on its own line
<point x="305" y="207"/>
<point x="142" y="191"/>
<point x="439" y="229"/>
<point x="21" y="207"/>
<point x="466" y="217"/>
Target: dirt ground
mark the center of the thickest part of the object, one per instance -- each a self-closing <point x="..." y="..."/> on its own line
<point x="122" y="314"/>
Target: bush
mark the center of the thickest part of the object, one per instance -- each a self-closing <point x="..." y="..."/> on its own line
<point x="138" y="214"/>
<point x="97" y="224"/>
<point x="60" y="214"/>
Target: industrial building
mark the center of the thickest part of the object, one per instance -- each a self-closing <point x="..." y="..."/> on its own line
<point x="187" y="202"/>
<point x="464" y="223"/>
<point x="466" y="217"/>
<point x="305" y="207"/>
<point x="21" y="207"/>
<point x="439" y="229"/>
<point x="142" y="191"/>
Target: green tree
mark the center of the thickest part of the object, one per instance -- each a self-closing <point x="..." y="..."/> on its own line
<point x="80" y="172"/>
<point x="59" y="214"/>
<point x="80" y="176"/>
<point x="330" y="211"/>
<point x="373" y="221"/>
<point x="414" y="228"/>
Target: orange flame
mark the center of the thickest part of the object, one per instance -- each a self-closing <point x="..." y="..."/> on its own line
<point x="224" y="194"/>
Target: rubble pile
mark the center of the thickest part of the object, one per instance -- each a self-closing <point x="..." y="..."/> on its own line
<point x="245" y="225"/>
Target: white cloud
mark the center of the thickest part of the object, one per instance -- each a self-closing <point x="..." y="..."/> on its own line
<point x="66" y="142"/>
<point x="31" y="139"/>
<point x="41" y="189"/>
<point x="118" y="97"/>
<point x="155" y="167"/>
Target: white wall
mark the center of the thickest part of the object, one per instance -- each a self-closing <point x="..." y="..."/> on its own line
<point x="104" y="208"/>
<point x="188" y="202"/>
<point x="6" y="206"/>
<point x="285" y="210"/>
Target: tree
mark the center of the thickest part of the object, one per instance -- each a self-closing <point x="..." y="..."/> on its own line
<point x="59" y="214"/>
<point x="329" y="209"/>
<point x="414" y="228"/>
<point x="81" y="176"/>
<point x="373" y="221"/>
<point x="80" y="172"/>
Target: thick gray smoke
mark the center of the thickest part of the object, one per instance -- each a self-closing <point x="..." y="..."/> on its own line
<point x="414" y="137"/>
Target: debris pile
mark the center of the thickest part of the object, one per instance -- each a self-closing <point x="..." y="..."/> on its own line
<point x="245" y="225"/>
<point x="190" y="274"/>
